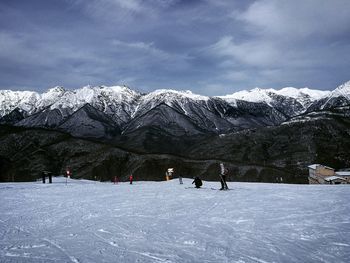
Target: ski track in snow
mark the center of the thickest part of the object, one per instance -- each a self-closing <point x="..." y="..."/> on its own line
<point x="167" y="222"/>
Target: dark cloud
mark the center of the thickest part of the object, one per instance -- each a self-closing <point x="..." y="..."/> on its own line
<point x="212" y="47"/>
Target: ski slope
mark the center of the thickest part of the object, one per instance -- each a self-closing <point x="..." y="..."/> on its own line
<point x="87" y="221"/>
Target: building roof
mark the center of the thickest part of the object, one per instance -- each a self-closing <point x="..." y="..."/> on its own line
<point x="331" y="178"/>
<point x="343" y="173"/>
<point x="314" y="166"/>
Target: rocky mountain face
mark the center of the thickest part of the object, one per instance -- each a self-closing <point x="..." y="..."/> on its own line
<point x="102" y="131"/>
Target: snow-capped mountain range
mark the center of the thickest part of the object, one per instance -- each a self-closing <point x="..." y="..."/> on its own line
<point x="305" y="96"/>
<point x="177" y="112"/>
<point x="111" y="100"/>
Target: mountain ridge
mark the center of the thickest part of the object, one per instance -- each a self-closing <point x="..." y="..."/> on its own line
<point x="220" y="114"/>
<point x="59" y="97"/>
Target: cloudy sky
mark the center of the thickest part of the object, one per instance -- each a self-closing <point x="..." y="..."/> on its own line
<point x="212" y="47"/>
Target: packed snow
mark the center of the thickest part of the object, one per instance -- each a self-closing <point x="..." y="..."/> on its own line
<point x="87" y="221"/>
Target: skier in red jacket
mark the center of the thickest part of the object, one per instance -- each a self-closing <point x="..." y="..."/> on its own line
<point x="130" y="178"/>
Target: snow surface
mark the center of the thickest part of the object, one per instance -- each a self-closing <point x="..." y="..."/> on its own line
<point x="86" y="221"/>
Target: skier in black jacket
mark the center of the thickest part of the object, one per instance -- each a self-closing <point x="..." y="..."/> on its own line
<point x="198" y="182"/>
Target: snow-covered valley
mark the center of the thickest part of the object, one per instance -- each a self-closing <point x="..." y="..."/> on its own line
<point x="87" y="221"/>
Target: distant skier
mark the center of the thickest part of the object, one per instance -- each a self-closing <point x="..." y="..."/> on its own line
<point x="223" y="174"/>
<point x="130" y="178"/>
<point x="43" y="176"/>
<point x="180" y="179"/>
<point x="115" y="180"/>
<point x="198" y="182"/>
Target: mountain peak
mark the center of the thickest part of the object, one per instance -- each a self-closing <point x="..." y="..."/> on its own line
<point x="343" y="90"/>
<point x="253" y="95"/>
<point x="264" y="95"/>
<point x="300" y="93"/>
<point x="175" y="93"/>
<point x="119" y="90"/>
<point x="169" y="97"/>
<point x="57" y="89"/>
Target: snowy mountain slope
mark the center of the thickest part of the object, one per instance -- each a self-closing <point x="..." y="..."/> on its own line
<point x="289" y="101"/>
<point x="87" y="221"/>
<point x="339" y="97"/>
<point x="198" y="108"/>
<point x="88" y="122"/>
<point x="50" y="97"/>
<point x="253" y="115"/>
<point x="165" y="117"/>
<point x="45" y="119"/>
<point x="13" y="117"/>
<point x="116" y="101"/>
<point x="285" y="105"/>
<point x="173" y="98"/>
<point x="23" y="100"/>
<point x="254" y="95"/>
<point x="303" y="96"/>
<point x="343" y="90"/>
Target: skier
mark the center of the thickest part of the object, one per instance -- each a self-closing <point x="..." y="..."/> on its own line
<point x="130" y="178"/>
<point x="198" y="182"/>
<point x="223" y="174"/>
<point x="180" y="179"/>
<point x="43" y="176"/>
<point x="115" y="180"/>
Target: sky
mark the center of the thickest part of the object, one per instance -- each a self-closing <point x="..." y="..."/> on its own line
<point x="211" y="47"/>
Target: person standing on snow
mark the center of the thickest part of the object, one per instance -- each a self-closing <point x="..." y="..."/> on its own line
<point x="223" y="174"/>
<point x="180" y="179"/>
<point x="130" y="178"/>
